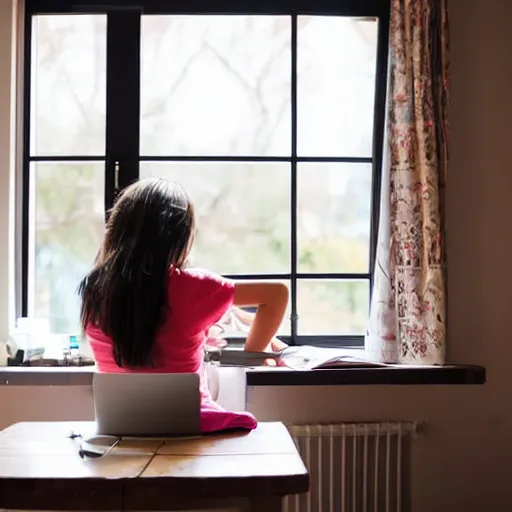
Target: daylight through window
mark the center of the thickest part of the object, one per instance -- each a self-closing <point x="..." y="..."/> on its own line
<point x="271" y="121"/>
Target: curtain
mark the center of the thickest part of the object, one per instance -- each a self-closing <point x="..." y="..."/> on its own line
<point x="407" y="321"/>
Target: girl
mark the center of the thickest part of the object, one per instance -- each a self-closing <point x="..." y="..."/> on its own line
<point x="144" y="312"/>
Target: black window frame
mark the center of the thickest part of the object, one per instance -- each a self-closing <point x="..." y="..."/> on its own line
<point x="122" y="156"/>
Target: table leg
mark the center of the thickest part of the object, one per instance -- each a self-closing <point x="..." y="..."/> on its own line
<point x="268" y="504"/>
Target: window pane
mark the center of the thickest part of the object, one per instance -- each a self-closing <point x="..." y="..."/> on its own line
<point x="243" y="213"/>
<point x="68" y="84"/>
<point x="215" y="85"/>
<point x="67" y="223"/>
<point x="332" y="307"/>
<point x="333" y="224"/>
<point x="336" y="64"/>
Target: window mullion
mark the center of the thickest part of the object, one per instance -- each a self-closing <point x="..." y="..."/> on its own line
<point x="123" y="101"/>
<point x="293" y="182"/>
<point x="25" y="206"/>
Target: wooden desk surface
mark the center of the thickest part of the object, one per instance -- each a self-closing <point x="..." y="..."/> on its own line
<point x="40" y="469"/>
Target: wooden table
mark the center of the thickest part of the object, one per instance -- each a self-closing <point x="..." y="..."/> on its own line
<point x="40" y="469"/>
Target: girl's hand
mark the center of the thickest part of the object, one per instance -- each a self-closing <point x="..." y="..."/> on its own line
<point x="276" y="345"/>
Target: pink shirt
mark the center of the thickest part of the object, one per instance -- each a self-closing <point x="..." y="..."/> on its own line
<point x="197" y="300"/>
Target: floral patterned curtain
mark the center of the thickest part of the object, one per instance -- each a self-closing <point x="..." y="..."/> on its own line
<point x="408" y="311"/>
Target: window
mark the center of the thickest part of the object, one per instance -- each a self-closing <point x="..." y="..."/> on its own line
<point x="270" y="115"/>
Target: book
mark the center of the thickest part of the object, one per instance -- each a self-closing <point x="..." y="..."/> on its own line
<point x="303" y="357"/>
<point x="306" y="357"/>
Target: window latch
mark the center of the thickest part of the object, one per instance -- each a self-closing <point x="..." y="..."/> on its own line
<point x="116" y="175"/>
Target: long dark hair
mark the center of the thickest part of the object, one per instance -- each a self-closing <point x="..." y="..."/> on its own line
<point x="150" y="231"/>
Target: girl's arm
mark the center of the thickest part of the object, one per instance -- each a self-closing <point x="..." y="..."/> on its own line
<point x="243" y="316"/>
<point x="271" y="300"/>
<point x="247" y="318"/>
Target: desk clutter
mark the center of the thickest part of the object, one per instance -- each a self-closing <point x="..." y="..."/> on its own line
<point x="32" y="343"/>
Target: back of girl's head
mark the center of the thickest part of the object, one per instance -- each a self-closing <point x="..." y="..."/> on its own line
<point x="149" y="231"/>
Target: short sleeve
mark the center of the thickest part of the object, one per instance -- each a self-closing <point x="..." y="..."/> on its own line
<point x="212" y="297"/>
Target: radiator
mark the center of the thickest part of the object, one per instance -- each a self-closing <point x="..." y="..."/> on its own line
<point x="354" y="467"/>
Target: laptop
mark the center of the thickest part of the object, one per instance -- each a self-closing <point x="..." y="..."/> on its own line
<point x="146" y="405"/>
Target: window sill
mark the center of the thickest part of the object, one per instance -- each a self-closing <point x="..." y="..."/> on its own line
<point x="396" y="375"/>
<point x="46" y="375"/>
<point x="391" y="375"/>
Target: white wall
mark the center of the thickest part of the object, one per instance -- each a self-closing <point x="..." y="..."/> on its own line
<point x="462" y="462"/>
<point x="7" y="28"/>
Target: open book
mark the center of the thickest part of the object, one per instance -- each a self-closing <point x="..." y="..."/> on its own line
<point x="302" y="357"/>
<point x="306" y="357"/>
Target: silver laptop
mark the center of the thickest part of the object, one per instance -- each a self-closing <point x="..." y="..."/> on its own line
<point x="136" y="404"/>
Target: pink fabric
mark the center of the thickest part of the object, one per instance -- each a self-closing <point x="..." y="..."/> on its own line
<point x="197" y="300"/>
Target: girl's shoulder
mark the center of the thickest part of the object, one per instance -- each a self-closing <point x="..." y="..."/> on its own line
<point x="198" y="276"/>
<point x="205" y="293"/>
<point x="194" y="273"/>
